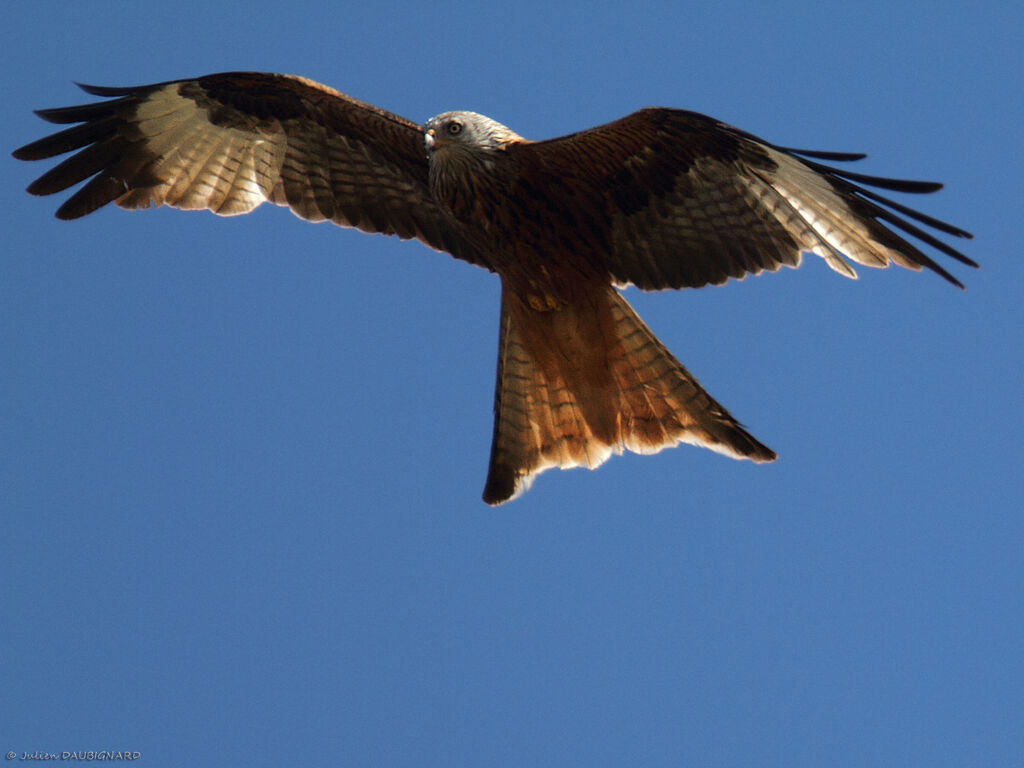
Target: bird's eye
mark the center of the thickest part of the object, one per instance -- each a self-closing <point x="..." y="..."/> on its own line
<point x="454" y="128"/>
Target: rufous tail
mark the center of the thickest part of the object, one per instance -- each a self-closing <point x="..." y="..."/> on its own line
<point x="588" y="379"/>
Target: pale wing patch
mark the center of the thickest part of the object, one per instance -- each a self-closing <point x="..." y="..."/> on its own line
<point x="199" y="165"/>
<point x="824" y="223"/>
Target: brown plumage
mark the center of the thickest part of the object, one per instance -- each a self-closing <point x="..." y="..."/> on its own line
<point x="661" y="198"/>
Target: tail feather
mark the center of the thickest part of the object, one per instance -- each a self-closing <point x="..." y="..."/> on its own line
<point x="589" y="379"/>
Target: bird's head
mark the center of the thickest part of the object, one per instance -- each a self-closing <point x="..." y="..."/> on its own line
<point x="468" y="130"/>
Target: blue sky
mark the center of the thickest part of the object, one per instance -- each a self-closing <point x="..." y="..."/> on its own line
<point x="241" y="459"/>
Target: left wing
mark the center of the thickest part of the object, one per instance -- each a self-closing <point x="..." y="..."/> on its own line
<point x="691" y="201"/>
<point x="229" y="142"/>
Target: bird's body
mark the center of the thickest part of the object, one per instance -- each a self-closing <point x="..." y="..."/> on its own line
<point x="580" y="375"/>
<point x="661" y="199"/>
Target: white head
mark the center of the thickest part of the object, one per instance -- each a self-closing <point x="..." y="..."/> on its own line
<point x="467" y="130"/>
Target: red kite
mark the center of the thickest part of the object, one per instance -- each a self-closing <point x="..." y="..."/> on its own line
<point x="662" y="198"/>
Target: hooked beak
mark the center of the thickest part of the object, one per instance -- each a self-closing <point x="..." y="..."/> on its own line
<point x="430" y="140"/>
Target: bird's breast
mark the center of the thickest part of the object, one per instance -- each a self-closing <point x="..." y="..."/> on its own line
<point x="545" y="234"/>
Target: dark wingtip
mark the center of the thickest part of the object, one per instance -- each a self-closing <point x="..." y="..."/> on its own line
<point x="840" y="157"/>
<point x="922" y="187"/>
<point x="101" y="90"/>
<point x="52" y="115"/>
<point x="63" y="215"/>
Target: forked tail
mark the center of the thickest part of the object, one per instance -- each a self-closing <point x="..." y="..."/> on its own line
<point x="576" y="384"/>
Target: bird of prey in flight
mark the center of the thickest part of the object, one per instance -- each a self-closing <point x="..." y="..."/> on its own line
<point x="661" y="198"/>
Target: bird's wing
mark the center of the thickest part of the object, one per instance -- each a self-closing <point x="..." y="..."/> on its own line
<point x="228" y="142"/>
<point x="690" y="201"/>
